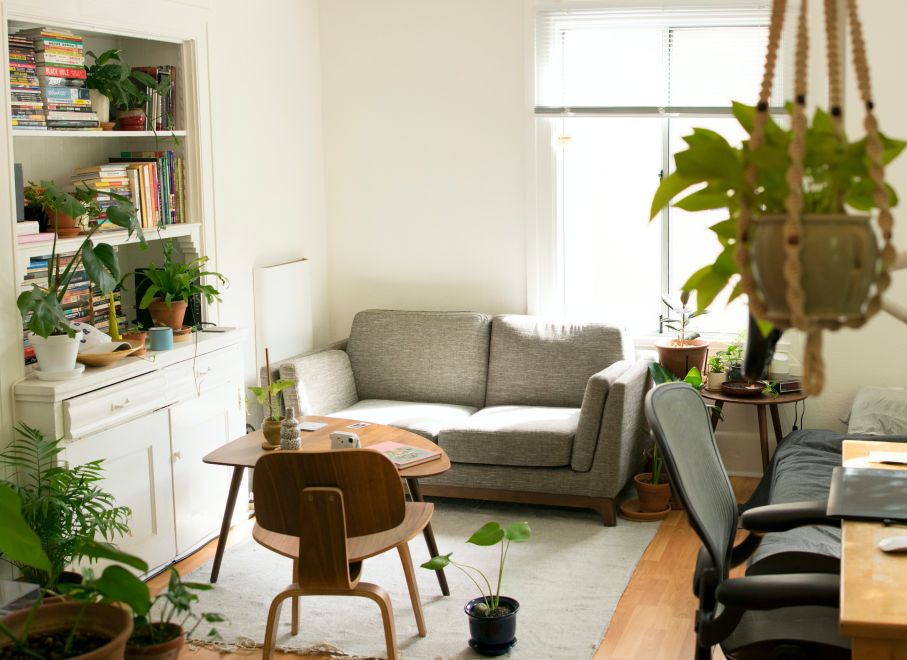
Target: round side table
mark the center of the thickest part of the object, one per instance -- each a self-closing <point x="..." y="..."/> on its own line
<point x="761" y="401"/>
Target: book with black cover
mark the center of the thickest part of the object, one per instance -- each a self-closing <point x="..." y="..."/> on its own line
<point x="861" y="493"/>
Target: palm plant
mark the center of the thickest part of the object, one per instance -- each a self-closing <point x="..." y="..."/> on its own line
<point x="66" y="507"/>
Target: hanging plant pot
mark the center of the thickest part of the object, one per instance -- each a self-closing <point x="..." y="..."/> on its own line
<point x="680" y="359"/>
<point x="840" y="262"/>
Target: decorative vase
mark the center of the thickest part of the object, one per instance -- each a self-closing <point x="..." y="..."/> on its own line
<point x="680" y="359"/>
<point x="100" y="104"/>
<point x="840" y="260"/>
<point x="715" y="379"/>
<point x="271" y="429"/>
<point x="131" y="120"/>
<point x="55" y="353"/>
<point x="167" y="317"/>
<point x="289" y="431"/>
<point x="164" y="651"/>
<point x="492" y="635"/>
<point x="653" y="498"/>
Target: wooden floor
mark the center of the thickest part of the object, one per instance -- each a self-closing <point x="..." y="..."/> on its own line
<point x="653" y="621"/>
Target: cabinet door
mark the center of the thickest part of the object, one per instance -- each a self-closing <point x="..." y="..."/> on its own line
<point x="137" y="473"/>
<point x="198" y="426"/>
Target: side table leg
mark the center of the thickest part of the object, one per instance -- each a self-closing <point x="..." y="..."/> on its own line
<point x="715" y="415"/>
<point x="228" y="517"/>
<point x="776" y="422"/>
<point x="415" y="492"/>
<point x="763" y="435"/>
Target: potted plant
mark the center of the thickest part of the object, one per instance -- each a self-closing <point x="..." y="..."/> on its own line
<point x="65" y="226"/>
<point x="111" y="80"/>
<point x="54" y="341"/>
<point x="272" y="418"/>
<point x="34" y="209"/>
<point x="687" y="351"/>
<point x="137" y="334"/>
<point x="720" y="364"/>
<point x="652" y="487"/>
<point x="492" y="618"/>
<point x="171" y="287"/>
<point x="65" y="506"/>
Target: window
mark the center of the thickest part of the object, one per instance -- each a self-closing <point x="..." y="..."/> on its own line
<point x="621" y="88"/>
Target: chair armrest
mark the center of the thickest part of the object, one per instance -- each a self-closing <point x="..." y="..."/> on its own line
<point x="324" y="383"/>
<point x="784" y="517"/>
<point x="590" y="416"/>
<point x="770" y="592"/>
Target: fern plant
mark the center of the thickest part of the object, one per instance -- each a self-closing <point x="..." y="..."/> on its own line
<point x="176" y="281"/>
<point x="66" y="507"/>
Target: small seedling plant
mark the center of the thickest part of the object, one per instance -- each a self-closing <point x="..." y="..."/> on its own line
<point x="266" y="397"/>
<point x="488" y="535"/>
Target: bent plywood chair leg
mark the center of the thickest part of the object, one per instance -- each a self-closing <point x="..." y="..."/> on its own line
<point x="274" y="620"/>
<point x="410" y="573"/>
<point x="294" y="626"/>
<point x="379" y="595"/>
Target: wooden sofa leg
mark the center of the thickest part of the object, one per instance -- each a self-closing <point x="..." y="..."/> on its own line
<point x="607" y="509"/>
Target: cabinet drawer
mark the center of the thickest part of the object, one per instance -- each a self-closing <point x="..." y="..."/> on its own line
<point x="107" y="407"/>
<point x="203" y="374"/>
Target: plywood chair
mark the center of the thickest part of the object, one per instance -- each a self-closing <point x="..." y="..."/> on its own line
<point x="328" y="511"/>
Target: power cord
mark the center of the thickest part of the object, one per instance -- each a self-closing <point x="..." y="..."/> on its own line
<point x="794" y="427"/>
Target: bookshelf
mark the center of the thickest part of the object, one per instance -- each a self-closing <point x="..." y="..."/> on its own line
<point x="116" y="135"/>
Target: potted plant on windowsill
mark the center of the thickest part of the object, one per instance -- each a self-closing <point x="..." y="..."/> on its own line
<point x="687" y="351"/>
<point x="492" y="618"/>
<point x="54" y="341"/>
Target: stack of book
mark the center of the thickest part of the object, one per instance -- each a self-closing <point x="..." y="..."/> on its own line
<point x="100" y="310"/>
<point x="160" y="110"/>
<point x="105" y="179"/>
<point x="25" y="93"/>
<point x="161" y="181"/>
<point x="30" y="232"/>
<point x="61" y="74"/>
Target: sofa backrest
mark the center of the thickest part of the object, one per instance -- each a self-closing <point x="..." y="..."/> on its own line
<point x="429" y="357"/>
<point x="537" y="361"/>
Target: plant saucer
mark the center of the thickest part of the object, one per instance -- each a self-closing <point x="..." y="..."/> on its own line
<point x="69" y="374"/>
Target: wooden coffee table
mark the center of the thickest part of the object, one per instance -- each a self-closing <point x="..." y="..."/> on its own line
<point x="244" y="453"/>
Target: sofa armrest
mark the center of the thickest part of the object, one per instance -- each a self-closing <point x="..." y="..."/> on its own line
<point x="622" y="440"/>
<point x="291" y="398"/>
<point x="590" y="416"/>
<point x="324" y="383"/>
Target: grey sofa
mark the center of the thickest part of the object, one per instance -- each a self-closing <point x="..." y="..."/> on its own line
<point x="528" y="409"/>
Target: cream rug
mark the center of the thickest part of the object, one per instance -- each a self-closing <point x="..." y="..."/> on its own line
<point x="568" y="579"/>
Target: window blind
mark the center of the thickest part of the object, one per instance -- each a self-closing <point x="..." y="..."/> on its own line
<point x="657" y="59"/>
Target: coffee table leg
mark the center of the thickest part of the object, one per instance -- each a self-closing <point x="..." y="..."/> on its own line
<point x="716" y="415"/>
<point x="776" y="422"/>
<point x="228" y="517"/>
<point x="415" y="492"/>
<point x="763" y="435"/>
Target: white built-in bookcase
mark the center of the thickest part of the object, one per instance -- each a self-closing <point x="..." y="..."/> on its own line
<point x="174" y="33"/>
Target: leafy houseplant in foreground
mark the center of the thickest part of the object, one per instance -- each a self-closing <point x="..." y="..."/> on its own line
<point x="64" y="506"/>
<point x="54" y="340"/>
<point x="173" y="285"/>
<point x="688" y="350"/>
<point x="492" y="617"/>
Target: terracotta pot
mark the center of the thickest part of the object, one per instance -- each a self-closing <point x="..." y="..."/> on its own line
<point x="66" y="226"/>
<point x="66" y="577"/>
<point x="840" y="258"/>
<point x="167" y="317"/>
<point x="166" y="651"/>
<point x="271" y="429"/>
<point x="680" y="359"/>
<point x="139" y="337"/>
<point x="104" y="620"/>
<point x="652" y="498"/>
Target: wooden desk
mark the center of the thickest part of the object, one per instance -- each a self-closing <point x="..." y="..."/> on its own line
<point x="761" y="401"/>
<point x="873" y="583"/>
<point x="244" y="453"/>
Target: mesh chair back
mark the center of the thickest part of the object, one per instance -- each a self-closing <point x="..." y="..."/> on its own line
<point x="683" y="432"/>
<point x="372" y="490"/>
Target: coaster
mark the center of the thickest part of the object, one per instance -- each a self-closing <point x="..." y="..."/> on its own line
<point x="70" y="374"/>
<point x="630" y="510"/>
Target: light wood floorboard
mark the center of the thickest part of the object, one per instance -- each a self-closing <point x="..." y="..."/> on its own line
<point x="654" y="619"/>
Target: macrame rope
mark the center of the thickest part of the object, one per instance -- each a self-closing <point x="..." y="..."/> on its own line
<point x="834" y="66"/>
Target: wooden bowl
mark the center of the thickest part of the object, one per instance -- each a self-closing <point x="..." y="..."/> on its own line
<point x="742" y="388"/>
<point x="106" y="359"/>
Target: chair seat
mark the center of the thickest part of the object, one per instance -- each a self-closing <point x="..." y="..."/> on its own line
<point x="813" y="629"/>
<point x="418" y="515"/>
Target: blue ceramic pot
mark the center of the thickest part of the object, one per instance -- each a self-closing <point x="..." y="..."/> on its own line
<point x="161" y="338"/>
<point x="492" y="635"/>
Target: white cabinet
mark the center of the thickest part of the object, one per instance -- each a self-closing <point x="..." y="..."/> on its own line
<point x="198" y="426"/>
<point x="137" y="473"/>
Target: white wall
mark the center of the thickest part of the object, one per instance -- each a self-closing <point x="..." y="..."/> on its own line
<point x="424" y="158"/>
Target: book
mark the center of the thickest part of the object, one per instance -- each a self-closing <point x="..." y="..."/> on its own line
<point x="35" y="238"/>
<point x="405" y="456"/>
<point x="53" y="81"/>
<point x="67" y="94"/>
<point x="57" y="58"/>
<point x="27" y="228"/>
<point x="61" y="72"/>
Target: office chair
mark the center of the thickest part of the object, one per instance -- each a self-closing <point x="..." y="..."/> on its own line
<point x="778" y="617"/>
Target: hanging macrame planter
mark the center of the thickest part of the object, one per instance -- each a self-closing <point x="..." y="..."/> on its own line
<point x="814" y="272"/>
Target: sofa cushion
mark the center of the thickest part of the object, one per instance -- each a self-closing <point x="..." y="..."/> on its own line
<point x="426" y="419"/>
<point x="435" y="357"/>
<point x="513" y="435"/>
<point x="548" y="362"/>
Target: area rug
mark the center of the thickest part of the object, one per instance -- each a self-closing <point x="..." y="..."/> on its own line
<point x="568" y="579"/>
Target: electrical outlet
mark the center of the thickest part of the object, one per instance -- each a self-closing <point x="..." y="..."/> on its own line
<point x="343" y="440"/>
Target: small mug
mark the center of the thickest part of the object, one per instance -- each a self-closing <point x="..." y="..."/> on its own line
<point x="161" y="338"/>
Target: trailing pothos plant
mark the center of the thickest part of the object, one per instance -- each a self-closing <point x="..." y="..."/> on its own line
<point x="176" y="281"/>
<point x="835" y="177"/>
<point x="100" y="261"/>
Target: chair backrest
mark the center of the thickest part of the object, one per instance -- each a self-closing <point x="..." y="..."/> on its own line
<point x="683" y="432"/>
<point x="373" y="498"/>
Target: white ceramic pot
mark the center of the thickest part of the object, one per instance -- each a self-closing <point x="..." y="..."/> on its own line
<point x="55" y="353"/>
<point x="715" y="380"/>
<point x="100" y="104"/>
